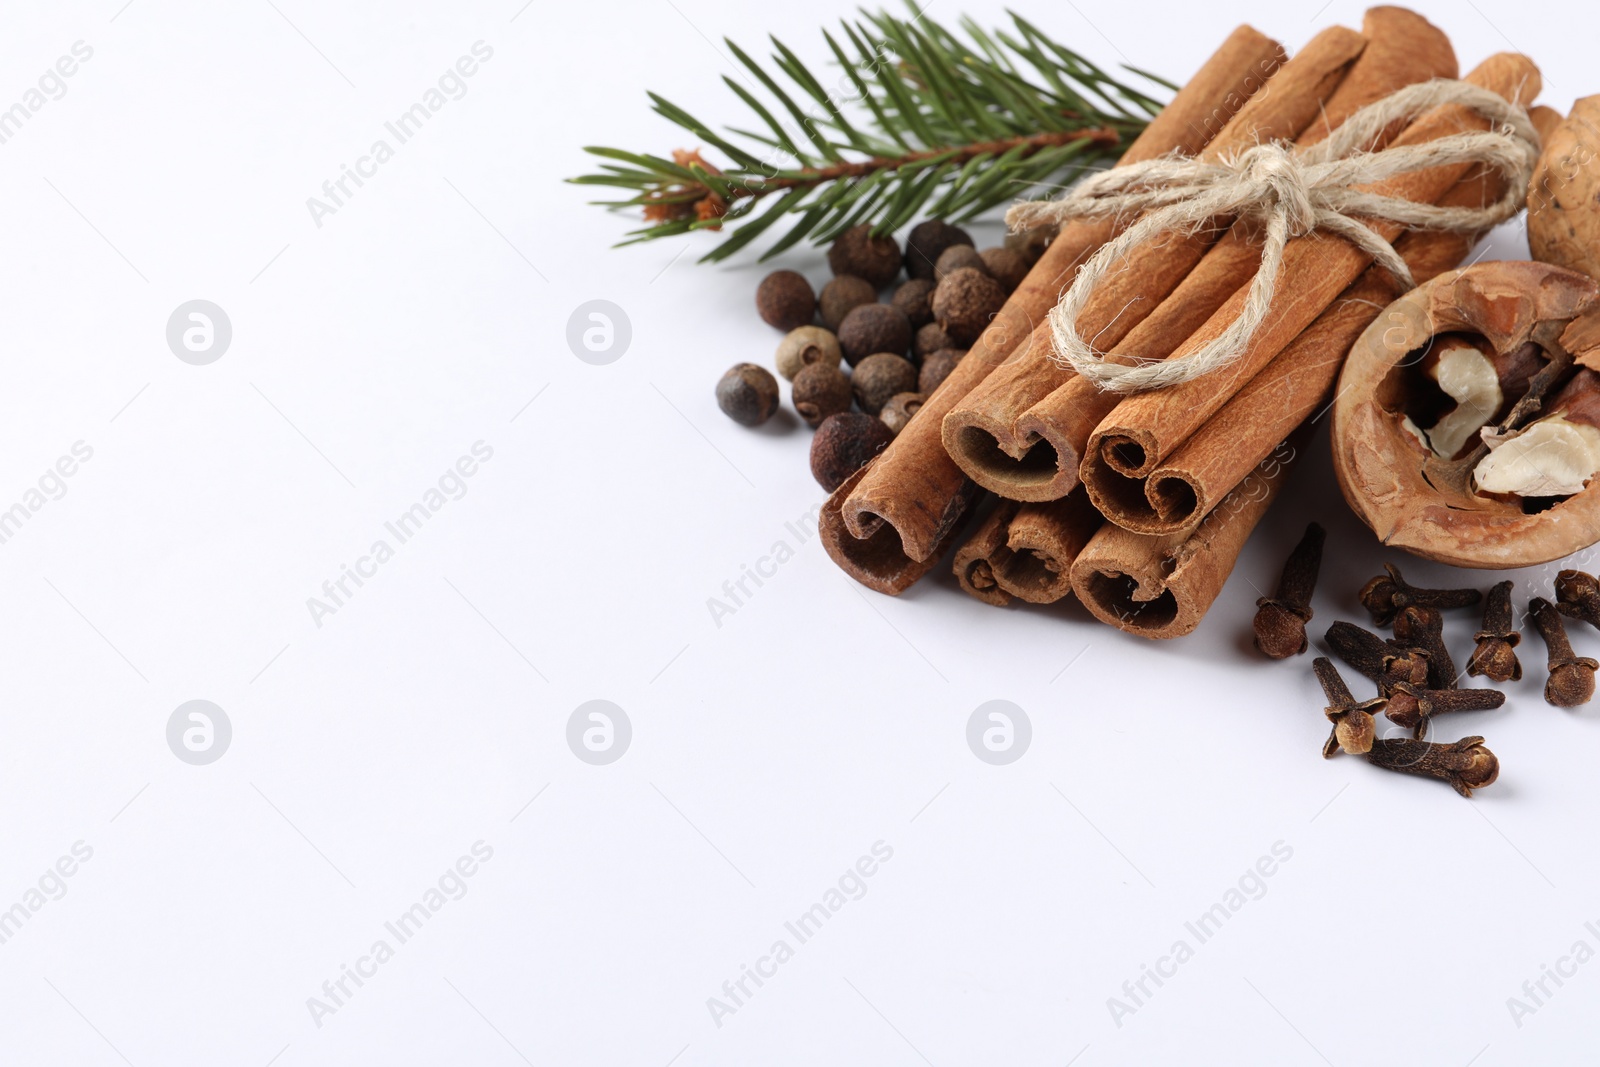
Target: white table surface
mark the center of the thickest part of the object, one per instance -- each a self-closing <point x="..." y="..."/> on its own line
<point x="768" y="755"/>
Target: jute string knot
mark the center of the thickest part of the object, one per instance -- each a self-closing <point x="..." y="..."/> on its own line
<point x="1290" y="193"/>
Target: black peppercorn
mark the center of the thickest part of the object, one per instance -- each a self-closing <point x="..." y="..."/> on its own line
<point x="937" y="367"/>
<point x="1005" y="266"/>
<point x="879" y="377"/>
<point x="927" y="242"/>
<point x="843" y="295"/>
<point x="915" y="299"/>
<point x="856" y="251"/>
<point x="820" y="390"/>
<point x="748" y="394"/>
<point x="874" y="328"/>
<point x="785" y="300"/>
<point x="930" y="339"/>
<point x="959" y="257"/>
<point x="964" y="303"/>
<point x="843" y="444"/>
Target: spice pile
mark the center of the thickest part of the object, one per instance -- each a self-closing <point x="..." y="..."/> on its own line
<point x="1118" y="394"/>
<point x="1415" y="674"/>
<point x="898" y="351"/>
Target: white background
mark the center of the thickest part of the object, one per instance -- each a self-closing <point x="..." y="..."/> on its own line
<point x="768" y="754"/>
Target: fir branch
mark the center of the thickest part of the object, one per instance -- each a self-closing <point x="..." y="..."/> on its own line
<point x="922" y="121"/>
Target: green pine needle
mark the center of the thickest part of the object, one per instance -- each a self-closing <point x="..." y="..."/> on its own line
<point x="920" y="121"/>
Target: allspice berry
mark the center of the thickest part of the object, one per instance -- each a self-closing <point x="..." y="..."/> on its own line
<point x="1005" y="266"/>
<point x="874" y="328"/>
<point x="820" y="390"/>
<point x="927" y="242"/>
<point x="959" y="257"/>
<point x="915" y="298"/>
<point x="879" y="377"/>
<point x="1030" y="244"/>
<point x="898" y="411"/>
<point x="785" y="300"/>
<point x="805" y="346"/>
<point x="936" y="368"/>
<point x="930" y="339"/>
<point x="748" y="394"/>
<point x="856" y="251"/>
<point x="843" y="445"/>
<point x="964" y="303"/>
<point x="843" y="295"/>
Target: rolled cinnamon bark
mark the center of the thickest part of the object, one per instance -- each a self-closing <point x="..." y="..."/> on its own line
<point x="889" y="526"/>
<point x="983" y="434"/>
<point x="1045" y="540"/>
<point x="1403" y="49"/>
<point x="1146" y="428"/>
<point x="985" y="552"/>
<point x="1027" y="550"/>
<point x="1162" y="586"/>
<point x="1219" y="455"/>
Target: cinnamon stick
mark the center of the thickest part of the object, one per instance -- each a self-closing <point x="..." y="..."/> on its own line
<point x="1162" y="586"/>
<point x="1145" y="429"/>
<point x="1045" y="539"/>
<point x="889" y="526"/>
<point x="985" y="552"/>
<point x="1296" y="383"/>
<point x="1403" y="49"/>
<point x="1027" y="550"/>
<point x="983" y="434"/>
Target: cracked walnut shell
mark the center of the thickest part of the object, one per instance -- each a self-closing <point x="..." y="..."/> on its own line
<point x="1461" y="415"/>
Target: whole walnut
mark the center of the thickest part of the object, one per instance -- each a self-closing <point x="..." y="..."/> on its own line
<point x="1564" y="197"/>
<point x="964" y="303"/>
<point x="856" y="251"/>
<point x="874" y="328"/>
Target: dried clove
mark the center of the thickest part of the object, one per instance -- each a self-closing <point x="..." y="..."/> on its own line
<point x="1495" y="657"/>
<point x="1466" y="764"/>
<point x="1571" y="680"/>
<point x="1380" y="660"/>
<point x="1280" y="622"/>
<point x="1418" y="705"/>
<point x="1353" y="728"/>
<point x="1386" y="594"/>
<point x="1423" y="629"/>
<point x="1578" y="596"/>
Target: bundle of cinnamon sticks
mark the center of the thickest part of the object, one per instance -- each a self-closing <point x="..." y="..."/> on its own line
<point x="1141" y="503"/>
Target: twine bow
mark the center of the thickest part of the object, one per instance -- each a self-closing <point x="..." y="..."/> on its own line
<point x="1291" y="193"/>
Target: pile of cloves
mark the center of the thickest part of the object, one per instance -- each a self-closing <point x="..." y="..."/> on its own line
<point x="1415" y="674"/>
